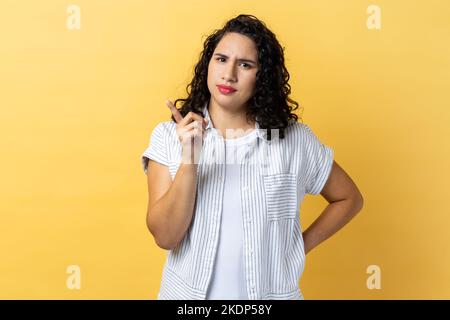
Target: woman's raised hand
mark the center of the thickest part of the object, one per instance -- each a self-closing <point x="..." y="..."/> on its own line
<point x="190" y="128"/>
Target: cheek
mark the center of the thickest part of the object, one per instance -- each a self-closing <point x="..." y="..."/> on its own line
<point x="212" y="70"/>
<point x="210" y="76"/>
<point x="250" y="81"/>
<point x="209" y="71"/>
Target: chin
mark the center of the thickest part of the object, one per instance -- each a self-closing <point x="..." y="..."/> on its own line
<point x="226" y="102"/>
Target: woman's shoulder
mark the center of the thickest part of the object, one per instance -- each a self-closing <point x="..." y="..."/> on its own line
<point x="303" y="134"/>
<point x="165" y="127"/>
<point x="297" y="129"/>
<point x="165" y="132"/>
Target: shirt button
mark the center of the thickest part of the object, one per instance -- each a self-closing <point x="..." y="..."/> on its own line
<point x="249" y="220"/>
<point x="245" y="188"/>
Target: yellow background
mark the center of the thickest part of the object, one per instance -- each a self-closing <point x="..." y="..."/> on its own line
<point x="77" y="108"/>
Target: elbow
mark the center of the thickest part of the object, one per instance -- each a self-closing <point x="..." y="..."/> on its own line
<point x="160" y="237"/>
<point x="358" y="201"/>
<point x="165" y="245"/>
<point x="164" y="242"/>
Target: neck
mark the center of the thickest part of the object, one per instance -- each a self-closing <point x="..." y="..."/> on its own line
<point x="232" y="119"/>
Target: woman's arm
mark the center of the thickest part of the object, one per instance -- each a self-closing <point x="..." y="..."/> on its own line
<point x="345" y="201"/>
<point x="170" y="204"/>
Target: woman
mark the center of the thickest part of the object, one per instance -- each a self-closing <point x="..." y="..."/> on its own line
<point x="225" y="191"/>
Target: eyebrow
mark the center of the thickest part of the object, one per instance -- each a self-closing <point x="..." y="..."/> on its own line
<point x="240" y="60"/>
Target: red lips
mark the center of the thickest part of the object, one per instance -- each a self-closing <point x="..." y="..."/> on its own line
<point x="226" y="89"/>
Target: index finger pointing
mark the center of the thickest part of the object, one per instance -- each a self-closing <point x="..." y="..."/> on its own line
<point x="176" y="114"/>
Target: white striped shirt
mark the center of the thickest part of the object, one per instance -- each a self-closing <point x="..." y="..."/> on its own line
<point x="228" y="277"/>
<point x="275" y="177"/>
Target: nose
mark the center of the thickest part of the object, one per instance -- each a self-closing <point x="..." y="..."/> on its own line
<point x="229" y="74"/>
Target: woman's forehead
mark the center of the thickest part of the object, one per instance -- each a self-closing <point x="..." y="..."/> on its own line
<point x="235" y="44"/>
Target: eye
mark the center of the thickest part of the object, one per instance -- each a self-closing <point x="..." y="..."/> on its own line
<point x="246" y="65"/>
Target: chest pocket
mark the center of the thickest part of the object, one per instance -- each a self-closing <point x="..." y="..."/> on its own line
<point x="281" y="196"/>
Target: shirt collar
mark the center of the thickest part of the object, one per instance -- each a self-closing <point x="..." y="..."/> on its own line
<point x="260" y="133"/>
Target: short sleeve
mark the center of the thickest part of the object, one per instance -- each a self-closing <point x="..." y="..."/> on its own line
<point x="318" y="162"/>
<point x="157" y="147"/>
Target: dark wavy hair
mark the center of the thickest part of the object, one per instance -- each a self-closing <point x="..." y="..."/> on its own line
<point x="270" y="105"/>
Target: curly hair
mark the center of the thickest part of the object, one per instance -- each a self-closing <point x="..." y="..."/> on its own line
<point x="270" y="105"/>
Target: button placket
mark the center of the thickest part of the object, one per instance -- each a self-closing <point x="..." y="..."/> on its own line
<point x="250" y="253"/>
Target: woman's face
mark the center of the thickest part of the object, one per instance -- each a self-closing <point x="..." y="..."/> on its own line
<point x="234" y="63"/>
